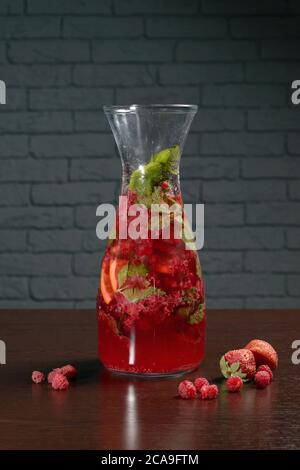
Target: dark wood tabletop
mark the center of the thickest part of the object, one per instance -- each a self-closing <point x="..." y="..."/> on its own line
<point x="104" y="411"/>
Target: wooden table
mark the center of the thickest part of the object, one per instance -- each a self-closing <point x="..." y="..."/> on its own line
<point x="103" y="411"/>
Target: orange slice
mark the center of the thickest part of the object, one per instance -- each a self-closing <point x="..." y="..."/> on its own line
<point x="165" y="265"/>
<point x="105" y="285"/>
<point x="109" y="278"/>
<point x="114" y="269"/>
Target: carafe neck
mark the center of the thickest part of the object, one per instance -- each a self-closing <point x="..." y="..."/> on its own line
<point x="150" y="139"/>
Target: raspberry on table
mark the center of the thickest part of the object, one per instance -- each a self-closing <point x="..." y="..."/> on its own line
<point x="69" y="371"/>
<point x="199" y="382"/>
<point x="37" y="377"/>
<point x="52" y="374"/>
<point x="262" y="379"/>
<point x="266" y="368"/>
<point x="234" y="384"/>
<point x="59" y="382"/>
<point x="209" y="392"/>
<point x="187" y="390"/>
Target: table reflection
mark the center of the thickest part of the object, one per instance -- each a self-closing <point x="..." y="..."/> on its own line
<point x="131" y="421"/>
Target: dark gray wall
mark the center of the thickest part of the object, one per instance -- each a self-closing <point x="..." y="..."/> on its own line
<point x="62" y="60"/>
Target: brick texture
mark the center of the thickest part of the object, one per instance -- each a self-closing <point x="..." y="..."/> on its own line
<point x="63" y="59"/>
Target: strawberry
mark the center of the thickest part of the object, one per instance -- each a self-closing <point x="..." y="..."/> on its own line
<point x="263" y="352"/>
<point x="238" y="363"/>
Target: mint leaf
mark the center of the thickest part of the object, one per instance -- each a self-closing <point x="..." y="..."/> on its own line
<point x="161" y="167"/>
<point x="190" y="314"/>
<point x="122" y="276"/>
<point x="129" y="270"/>
<point x="168" y="159"/>
<point x="137" y="270"/>
<point x="197" y="316"/>
<point x="184" y="312"/>
<point x="134" y="295"/>
<point x="156" y="197"/>
<point x="190" y="294"/>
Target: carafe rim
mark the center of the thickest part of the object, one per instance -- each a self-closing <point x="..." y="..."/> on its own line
<point x="132" y="108"/>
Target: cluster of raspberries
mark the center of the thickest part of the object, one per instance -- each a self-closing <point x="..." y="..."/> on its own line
<point x="58" y="378"/>
<point x="200" y="388"/>
<point x="256" y="361"/>
<point x="263" y="377"/>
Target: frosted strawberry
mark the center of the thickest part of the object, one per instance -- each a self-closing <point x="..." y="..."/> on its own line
<point x="263" y="352"/>
<point x="238" y="362"/>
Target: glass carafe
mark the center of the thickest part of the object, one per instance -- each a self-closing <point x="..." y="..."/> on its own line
<point x="151" y="306"/>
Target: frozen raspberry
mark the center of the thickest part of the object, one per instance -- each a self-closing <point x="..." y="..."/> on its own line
<point x="131" y="197"/>
<point x="144" y="248"/>
<point x="209" y="392"/>
<point x="37" y="377"/>
<point x="187" y="389"/>
<point x="164" y="185"/>
<point x="266" y="368"/>
<point x="59" y="382"/>
<point x="69" y="372"/>
<point x="262" y="379"/>
<point x="199" y="382"/>
<point x="52" y="374"/>
<point x="234" y="384"/>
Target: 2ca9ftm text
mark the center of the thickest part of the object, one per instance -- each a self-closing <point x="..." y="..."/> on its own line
<point x="151" y="459"/>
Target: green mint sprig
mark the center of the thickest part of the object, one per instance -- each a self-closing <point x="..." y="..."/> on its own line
<point x="129" y="270"/>
<point x="161" y="167"/>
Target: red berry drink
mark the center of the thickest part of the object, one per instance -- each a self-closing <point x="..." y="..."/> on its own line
<point x="151" y="305"/>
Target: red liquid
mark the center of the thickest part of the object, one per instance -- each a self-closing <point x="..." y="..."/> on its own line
<point x="164" y="350"/>
<point x="155" y="321"/>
